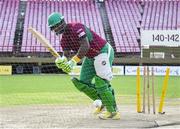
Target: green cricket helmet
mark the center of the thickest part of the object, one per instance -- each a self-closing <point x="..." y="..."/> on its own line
<point x="56" y="20"/>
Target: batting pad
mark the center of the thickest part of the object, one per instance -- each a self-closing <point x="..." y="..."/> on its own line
<point x="90" y="91"/>
<point x="106" y="94"/>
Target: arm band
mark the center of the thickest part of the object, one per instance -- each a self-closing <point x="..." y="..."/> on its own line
<point x="76" y="59"/>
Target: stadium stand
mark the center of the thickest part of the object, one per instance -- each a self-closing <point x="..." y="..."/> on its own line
<point x="37" y="12"/>
<point x="161" y="15"/>
<point x="119" y="21"/>
<point x="8" y="20"/>
<point x="124" y="17"/>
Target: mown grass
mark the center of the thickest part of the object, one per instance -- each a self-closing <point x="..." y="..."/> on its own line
<point x="58" y="89"/>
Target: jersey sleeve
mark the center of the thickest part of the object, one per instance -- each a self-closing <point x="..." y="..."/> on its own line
<point x="80" y="31"/>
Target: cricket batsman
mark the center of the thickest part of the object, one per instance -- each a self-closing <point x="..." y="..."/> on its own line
<point x="98" y="56"/>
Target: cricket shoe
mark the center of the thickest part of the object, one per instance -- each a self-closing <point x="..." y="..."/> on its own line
<point x="109" y="115"/>
<point x="98" y="110"/>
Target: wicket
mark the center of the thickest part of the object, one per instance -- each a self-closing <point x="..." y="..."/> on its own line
<point x="148" y="77"/>
<point x="164" y="91"/>
<point x="138" y="90"/>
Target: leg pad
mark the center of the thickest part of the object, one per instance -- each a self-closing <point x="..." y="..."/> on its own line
<point x="106" y="94"/>
<point x="89" y="90"/>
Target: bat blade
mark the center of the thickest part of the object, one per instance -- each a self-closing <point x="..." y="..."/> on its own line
<point x="41" y="38"/>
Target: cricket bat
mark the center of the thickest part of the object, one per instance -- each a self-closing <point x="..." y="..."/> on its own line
<point x="41" y="38"/>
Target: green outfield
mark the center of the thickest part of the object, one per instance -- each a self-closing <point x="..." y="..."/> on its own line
<point x="58" y="89"/>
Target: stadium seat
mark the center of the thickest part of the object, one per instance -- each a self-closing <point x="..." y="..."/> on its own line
<point x="8" y="20"/>
<point x="161" y="15"/>
<point x="124" y="17"/>
<point x="84" y="11"/>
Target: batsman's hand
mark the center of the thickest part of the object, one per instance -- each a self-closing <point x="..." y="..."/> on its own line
<point x="60" y="61"/>
<point x="68" y="67"/>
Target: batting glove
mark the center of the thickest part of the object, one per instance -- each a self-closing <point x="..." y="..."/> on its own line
<point x="68" y="67"/>
<point x="60" y="61"/>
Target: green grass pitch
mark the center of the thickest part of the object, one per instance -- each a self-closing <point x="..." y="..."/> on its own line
<point x="58" y="89"/>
